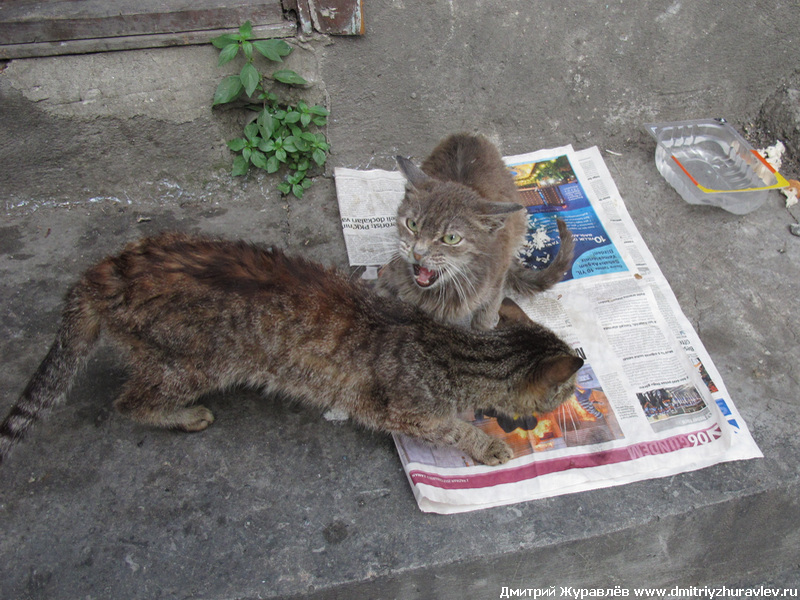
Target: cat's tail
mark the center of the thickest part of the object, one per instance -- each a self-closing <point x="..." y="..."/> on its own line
<point x="523" y="280"/>
<point x="76" y="337"/>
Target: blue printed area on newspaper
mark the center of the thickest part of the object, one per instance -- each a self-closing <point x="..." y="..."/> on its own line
<point x="550" y="189"/>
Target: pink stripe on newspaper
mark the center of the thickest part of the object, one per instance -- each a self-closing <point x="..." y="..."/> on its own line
<point x="583" y="461"/>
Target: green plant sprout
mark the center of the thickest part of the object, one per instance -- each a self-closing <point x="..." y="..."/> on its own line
<point x="280" y="134"/>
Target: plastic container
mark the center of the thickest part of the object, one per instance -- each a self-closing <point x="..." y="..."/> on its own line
<point x="708" y="162"/>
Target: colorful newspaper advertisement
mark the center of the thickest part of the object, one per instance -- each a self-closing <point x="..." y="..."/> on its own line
<point x="649" y="401"/>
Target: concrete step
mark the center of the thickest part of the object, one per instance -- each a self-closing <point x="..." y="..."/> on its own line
<point x="275" y="501"/>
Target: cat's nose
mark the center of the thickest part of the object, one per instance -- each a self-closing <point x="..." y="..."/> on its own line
<point x="418" y="253"/>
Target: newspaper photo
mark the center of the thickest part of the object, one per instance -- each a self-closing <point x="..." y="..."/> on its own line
<point x="649" y="401"/>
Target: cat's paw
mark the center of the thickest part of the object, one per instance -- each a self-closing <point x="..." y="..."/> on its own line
<point x="195" y="418"/>
<point x="496" y="452"/>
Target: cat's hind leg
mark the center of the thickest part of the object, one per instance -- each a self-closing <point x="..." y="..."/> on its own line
<point x="163" y="398"/>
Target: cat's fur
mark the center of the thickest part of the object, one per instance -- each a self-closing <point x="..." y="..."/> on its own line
<point x="463" y="189"/>
<point x="194" y="315"/>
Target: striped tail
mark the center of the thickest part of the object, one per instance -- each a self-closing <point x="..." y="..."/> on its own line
<point x="49" y="385"/>
<point x="523" y="280"/>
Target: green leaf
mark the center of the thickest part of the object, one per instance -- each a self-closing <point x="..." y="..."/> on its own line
<point x="305" y="119"/>
<point x="297" y="190"/>
<point x="280" y="154"/>
<point x="288" y="144"/>
<point x="292" y="116"/>
<point x="319" y="157"/>
<point x="307" y="183"/>
<point x="265" y="123"/>
<point x="227" y="90"/>
<point x="273" y="164"/>
<point x="274" y="50"/>
<point x="308" y="136"/>
<point x="228" y="53"/>
<point x="240" y="166"/>
<point x="258" y="159"/>
<point x="251" y="131"/>
<point x="246" y="30"/>
<point x="319" y="110"/>
<point x="223" y="40"/>
<point x="249" y="78"/>
<point x="300" y="144"/>
<point x="284" y="188"/>
<point x="289" y="77"/>
<point x="246" y="152"/>
<point x="266" y="146"/>
<point x="320" y="121"/>
<point x="271" y="97"/>
<point x="303" y="165"/>
<point x="237" y="144"/>
<point x="247" y="48"/>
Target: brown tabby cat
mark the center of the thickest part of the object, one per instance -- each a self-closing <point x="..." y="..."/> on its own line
<point x="460" y="227"/>
<point x="195" y="315"/>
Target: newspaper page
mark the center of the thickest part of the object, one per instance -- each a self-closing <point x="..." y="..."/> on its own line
<point x="649" y="401"/>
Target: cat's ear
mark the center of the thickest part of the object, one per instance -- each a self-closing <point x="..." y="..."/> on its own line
<point x="412" y="172"/>
<point x="510" y="312"/>
<point x="494" y="214"/>
<point x="558" y="369"/>
<point x="500" y="208"/>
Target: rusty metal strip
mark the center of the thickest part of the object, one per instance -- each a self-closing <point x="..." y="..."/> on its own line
<point x="332" y="17"/>
<point x="337" y="17"/>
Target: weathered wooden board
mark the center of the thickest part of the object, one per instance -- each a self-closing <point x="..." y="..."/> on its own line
<point x="30" y="28"/>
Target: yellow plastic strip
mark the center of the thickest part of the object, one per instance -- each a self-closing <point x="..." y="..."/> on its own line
<point x="780" y="179"/>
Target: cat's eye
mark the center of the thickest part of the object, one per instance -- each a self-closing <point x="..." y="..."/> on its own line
<point x="412" y="225"/>
<point x="451" y="239"/>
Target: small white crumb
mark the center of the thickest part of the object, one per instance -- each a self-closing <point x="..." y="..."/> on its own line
<point x="774" y="154"/>
<point x="792" y="192"/>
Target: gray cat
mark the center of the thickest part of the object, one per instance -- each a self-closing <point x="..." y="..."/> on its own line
<point x="460" y="228"/>
<point x="193" y="315"/>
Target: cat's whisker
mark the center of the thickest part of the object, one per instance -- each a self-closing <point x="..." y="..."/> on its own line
<point x="462" y="294"/>
<point x="457" y="277"/>
<point x="463" y="274"/>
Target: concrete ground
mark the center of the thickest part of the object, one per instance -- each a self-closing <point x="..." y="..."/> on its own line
<point x="274" y="501"/>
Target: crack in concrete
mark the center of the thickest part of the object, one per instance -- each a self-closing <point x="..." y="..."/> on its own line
<point x="287" y="229"/>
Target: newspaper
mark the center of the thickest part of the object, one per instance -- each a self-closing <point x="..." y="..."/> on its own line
<point x="649" y="401"/>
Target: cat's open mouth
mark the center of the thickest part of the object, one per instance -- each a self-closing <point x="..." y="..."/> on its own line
<point x="424" y="277"/>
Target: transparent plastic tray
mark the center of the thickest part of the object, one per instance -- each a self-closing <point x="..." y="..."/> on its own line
<point x="708" y="162"/>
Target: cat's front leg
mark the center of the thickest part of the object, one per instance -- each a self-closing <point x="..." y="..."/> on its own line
<point x="487" y="316"/>
<point x="467" y="438"/>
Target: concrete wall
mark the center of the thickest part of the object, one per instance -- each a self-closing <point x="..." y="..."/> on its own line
<point x="138" y="125"/>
